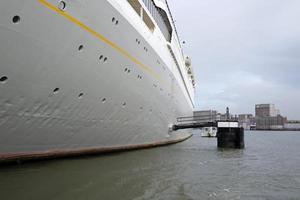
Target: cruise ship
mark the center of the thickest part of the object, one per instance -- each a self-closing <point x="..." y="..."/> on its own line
<point x="90" y="76"/>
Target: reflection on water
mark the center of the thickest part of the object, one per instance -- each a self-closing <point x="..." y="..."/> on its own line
<point x="269" y="168"/>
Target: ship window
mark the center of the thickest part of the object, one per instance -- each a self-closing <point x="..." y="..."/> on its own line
<point x="16" y="19"/>
<point x="55" y="90"/>
<point x="62" y="5"/>
<point x="80" y="48"/>
<point x="3" y="79"/>
<point x="135" y="4"/>
<point x="100" y="58"/>
<point x="80" y="95"/>
<point x="127" y="70"/>
<point x="148" y="21"/>
<point x="103" y="100"/>
<point x="115" y="21"/>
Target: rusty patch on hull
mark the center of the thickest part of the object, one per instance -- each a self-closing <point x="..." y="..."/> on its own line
<point x="65" y="153"/>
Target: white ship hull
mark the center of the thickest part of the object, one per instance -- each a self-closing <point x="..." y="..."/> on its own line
<point x="120" y="90"/>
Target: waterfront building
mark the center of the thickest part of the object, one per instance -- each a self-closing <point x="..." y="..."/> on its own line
<point x="270" y="123"/>
<point x="267" y="117"/>
<point x="266" y="110"/>
<point x="292" y="125"/>
<point x="246" y="120"/>
<point x="221" y="116"/>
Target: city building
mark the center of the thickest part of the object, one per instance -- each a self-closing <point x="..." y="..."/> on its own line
<point x="246" y="121"/>
<point x="225" y="116"/>
<point x="267" y="117"/>
<point x="222" y="117"/>
<point x="292" y="125"/>
<point x="270" y="123"/>
<point x="266" y="110"/>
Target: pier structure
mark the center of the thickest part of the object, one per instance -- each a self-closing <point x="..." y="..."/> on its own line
<point x="229" y="134"/>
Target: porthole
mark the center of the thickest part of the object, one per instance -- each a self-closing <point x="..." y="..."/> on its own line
<point x="16" y="19"/>
<point x="80" y="95"/>
<point x="105" y="59"/>
<point x="138" y="41"/>
<point x="128" y="71"/>
<point x="100" y="57"/>
<point x="117" y="22"/>
<point x="125" y="70"/>
<point x="124" y="104"/>
<point x="55" y="90"/>
<point x="103" y="100"/>
<point x="113" y="19"/>
<point x="3" y="79"/>
<point x="62" y="5"/>
<point x="80" y="48"/>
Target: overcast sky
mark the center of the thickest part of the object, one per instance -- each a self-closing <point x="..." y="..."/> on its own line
<point x="244" y="52"/>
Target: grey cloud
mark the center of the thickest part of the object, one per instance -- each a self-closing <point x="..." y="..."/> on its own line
<point x="243" y="52"/>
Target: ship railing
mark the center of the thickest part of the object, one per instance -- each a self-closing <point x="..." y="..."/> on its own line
<point x="156" y="14"/>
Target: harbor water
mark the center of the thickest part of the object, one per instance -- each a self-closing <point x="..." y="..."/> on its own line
<point x="268" y="168"/>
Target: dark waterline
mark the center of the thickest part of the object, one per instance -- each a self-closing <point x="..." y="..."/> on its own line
<point x="269" y="168"/>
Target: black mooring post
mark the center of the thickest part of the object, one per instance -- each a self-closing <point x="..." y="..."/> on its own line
<point x="231" y="137"/>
